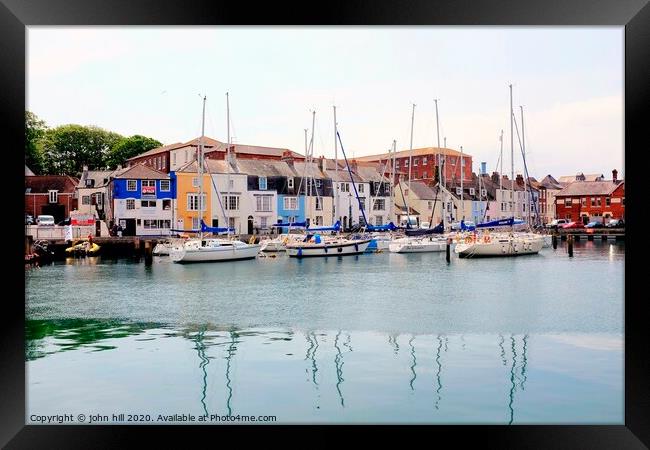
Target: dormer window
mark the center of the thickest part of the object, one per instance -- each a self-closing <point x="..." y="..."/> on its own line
<point x="90" y="182"/>
<point x="458" y="191"/>
<point x="262" y="183"/>
<point x="471" y="191"/>
<point x="483" y="193"/>
<point x="290" y="183"/>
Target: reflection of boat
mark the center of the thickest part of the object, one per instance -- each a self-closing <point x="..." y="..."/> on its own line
<point x="83" y="247"/>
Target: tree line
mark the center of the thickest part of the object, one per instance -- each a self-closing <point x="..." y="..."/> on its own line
<point x="65" y="149"/>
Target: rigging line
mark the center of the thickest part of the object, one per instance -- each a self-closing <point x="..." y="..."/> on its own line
<point x="365" y="220"/>
<point x="527" y="180"/>
<point x="223" y="211"/>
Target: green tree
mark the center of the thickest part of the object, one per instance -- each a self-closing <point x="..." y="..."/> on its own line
<point x="35" y="129"/>
<point x="129" y="147"/>
<point x="67" y="148"/>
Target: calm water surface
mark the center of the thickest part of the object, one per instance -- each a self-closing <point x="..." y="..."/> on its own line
<point x="378" y="338"/>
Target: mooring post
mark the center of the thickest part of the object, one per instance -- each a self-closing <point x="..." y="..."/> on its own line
<point x="448" y="250"/>
<point x="554" y="240"/>
<point x="28" y="244"/>
<point x="136" y="248"/>
<point x="148" y="253"/>
<point x="570" y="242"/>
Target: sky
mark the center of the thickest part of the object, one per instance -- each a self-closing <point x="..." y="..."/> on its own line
<point x="149" y="81"/>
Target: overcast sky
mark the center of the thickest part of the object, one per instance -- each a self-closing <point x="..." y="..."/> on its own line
<point x="147" y="80"/>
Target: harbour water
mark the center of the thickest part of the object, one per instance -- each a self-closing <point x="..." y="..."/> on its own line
<point x="375" y="338"/>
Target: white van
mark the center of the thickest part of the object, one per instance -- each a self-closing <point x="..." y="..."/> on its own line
<point x="45" y="220"/>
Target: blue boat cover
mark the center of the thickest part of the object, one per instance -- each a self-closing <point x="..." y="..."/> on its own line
<point x="207" y="229"/>
<point x="389" y="227"/>
<point x="292" y="225"/>
<point x="336" y="227"/>
<point x="438" y="229"/>
<point x="497" y="223"/>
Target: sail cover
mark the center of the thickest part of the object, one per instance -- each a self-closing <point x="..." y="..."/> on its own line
<point x="207" y="229"/>
<point x="497" y="223"/>
<point x="389" y="227"/>
<point x="336" y="227"/>
<point x="438" y="229"/>
<point x="292" y="224"/>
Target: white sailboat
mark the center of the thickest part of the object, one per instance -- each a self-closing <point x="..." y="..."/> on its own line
<point x="210" y="249"/>
<point x="506" y="244"/>
<point x="317" y="245"/>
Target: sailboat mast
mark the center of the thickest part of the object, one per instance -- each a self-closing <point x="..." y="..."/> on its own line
<point x="311" y="182"/>
<point x="462" y="175"/>
<point x="411" y="147"/>
<point x="392" y="182"/>
<point x="523" y="151"/>
<point x="199" y="161"/>
<point x="335" y="184"/>
<point x="440" y="160"/>
<point x="228" y="163"/>
<point x="512" y="157"/>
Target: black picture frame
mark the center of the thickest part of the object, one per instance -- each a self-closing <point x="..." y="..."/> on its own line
<point x="634" y="15"/>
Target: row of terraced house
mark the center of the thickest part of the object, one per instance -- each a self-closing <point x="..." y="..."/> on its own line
<point x="255" y="187"/>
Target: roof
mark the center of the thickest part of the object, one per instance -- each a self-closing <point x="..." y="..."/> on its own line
<point x="41" y="184"/>
<point x="422" y="191"/>
<point x="588" y="177"/>
<point x="155" y="151"/>
<point x="551" y="183"/>
<point x="424" y="151"/>
<point x="259" y="167"/>
<point x="141" y="172"/>
<point x="100" y="177"/>
<point x="578" y="188"/>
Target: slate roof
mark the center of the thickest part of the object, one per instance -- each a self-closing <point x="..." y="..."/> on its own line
<point x="141" y="172"/>
<point x="585" y="188"/>
<point x="41" y="184"/>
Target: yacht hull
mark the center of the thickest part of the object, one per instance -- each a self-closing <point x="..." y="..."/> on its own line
<point x="306" y="250"/>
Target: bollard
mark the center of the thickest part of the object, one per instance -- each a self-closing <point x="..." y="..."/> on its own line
<point x="570" y="242"/>
<point x="148" y="253"/>
<point x="554" y="240"/>
<point x="448" y="250"/>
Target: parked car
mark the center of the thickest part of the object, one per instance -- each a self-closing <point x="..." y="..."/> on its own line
<point x="573" y="225"/>
<point x="45" y="220"/>
<point x="29" y="219"/>
<point x="594" y="224"/>
<point x="615" y="223"/>
<point x="557" y="223"/>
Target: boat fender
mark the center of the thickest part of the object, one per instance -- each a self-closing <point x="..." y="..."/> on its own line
<point x="325" y="248"/>
<point x="251" y="240"/>
<point x="285" y="240"/>
<point x="299" y="251"/>
<point x="356" y="247"/>
<point x="486" y="239"/>
<point x="340" y="249"/>
<point x="468" y="240"/>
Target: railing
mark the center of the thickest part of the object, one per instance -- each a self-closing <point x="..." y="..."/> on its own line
<point x="57" y="232"/>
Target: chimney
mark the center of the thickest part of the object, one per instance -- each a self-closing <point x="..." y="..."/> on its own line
<point x="495" y="177"/>
<point x="614" y="175"/>
<point x="353" y="165"/>
<point x="233" y="156"/>
<point x="321" y="163"/>
<point x="119" y="167"/>
<point x="287" y="157"/>
<point x="520" y="180"/>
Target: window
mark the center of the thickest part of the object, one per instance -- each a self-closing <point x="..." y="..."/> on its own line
<point x="379" y="205"/>
<point x="379" y="220"/>
<point x="290" y="203"/>
<point x="85" y="200"/>
<point x="148" y="203"/>
<point x="429" y="205"/>
<point x="167" y="205"/>
<point x="319" y="183"/>
<point x="164" y="223"/>
<point x="361" y="188"/>
<point x="131" y="185"/>
<point x="458" y="191"/>
<point x="160" y="162"/>
<point x="263" y="203"/>
<point x="261" y="182"/>
<point x="231" y="184"/>
<point x="164" y="185"/>
<point x="608" y="201"/>
<point x="397" y="163"/>
<point x="623" y="201"/>
<point x="406" y="162"/>
<point x="319" y="220"/>
<point x="593" y="201"/>
<point x="290" y="183"/>
<point x="54" y="196"/>
<point x="291" y="219"/>
<point x="193" y="202"/>
<point x="415" y="162"/>
<point x="148" y="183"/>
<point x="362" y="201"/>
<point x="150" y="224"/>
<point x="471" y="191"/>
<point x="231" y="203"/>
<point x="195" y="223"/>
<point x="567" y="203"/>
<point x="424" y="160"/>
<point x="319" y="204"/>
<point x="97" y="199"/>
<point x="583" y="201"/>
<point x="483" y="193"/>
<point x="195" y="182"/>
<point x="130" y="203"/>
<point x="90" y="182"/>
<point x="462" y="162"/>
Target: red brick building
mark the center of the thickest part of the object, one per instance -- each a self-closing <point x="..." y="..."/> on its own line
<point x="592" y="200"/>
<point x="172" y="157"/>
<point x="424" y="163"/>
<point x="50" y="195"/>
